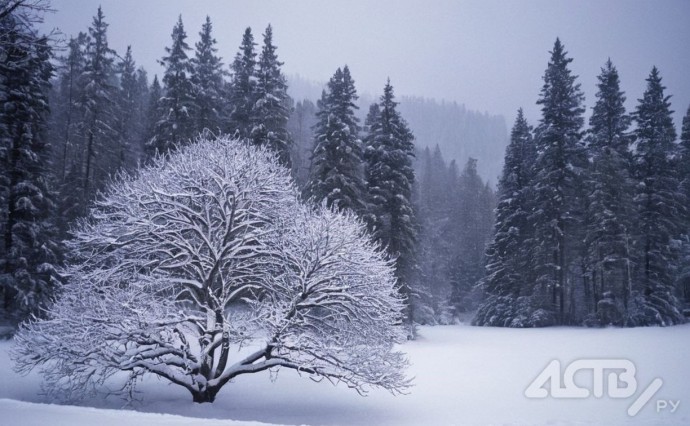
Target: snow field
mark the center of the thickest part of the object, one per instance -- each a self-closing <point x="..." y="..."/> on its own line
<point x="463" y="376"/>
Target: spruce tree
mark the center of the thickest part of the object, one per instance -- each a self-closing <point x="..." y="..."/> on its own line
<point x="300" y="125"/>
<point x="99" y="104"/>
<point x="684" y="176"/>
<point x="660" y="208"/>
<point x="66" y="115"/>
<point x="207" y="78"/>
<point x="472" y="220"/>
<point x="29" y="249"/>
<point x="508" y="261"/>
<point x="66" y="132"/>
<point x="389" y="177"/>
<point x="559" y="165"/>
<point x="437" y="238"/>
<point x="127" y="112"/>
<point x="388" y="157"/>
<point x="684" y="162"/>
<point x="176" y="124"/>
<point x="243" y="87"/>
<point x="143" y="96"/>
<point x="337" y="175"/>
<point x="609" y="225"/>
<point x="270" y="113"/>
<point x="153" y="113"/>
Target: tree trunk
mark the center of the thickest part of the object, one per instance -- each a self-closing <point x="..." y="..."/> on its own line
<point x="205" y="395"/>
<point x="628" y="276"/>
<point x="561" y="278"/>
<point x="588" y="292"/>
<point x="11" y="213"/>
<point x="89" y="154"/>
<point x="67" y="127"/>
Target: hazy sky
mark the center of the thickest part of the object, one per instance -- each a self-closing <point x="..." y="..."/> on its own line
<point x="489" y="55"/>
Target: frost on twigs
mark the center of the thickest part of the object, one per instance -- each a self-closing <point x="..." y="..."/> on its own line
<point x="206" y="251"/>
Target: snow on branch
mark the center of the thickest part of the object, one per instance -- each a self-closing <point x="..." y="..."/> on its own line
<point x="203" y="252"/>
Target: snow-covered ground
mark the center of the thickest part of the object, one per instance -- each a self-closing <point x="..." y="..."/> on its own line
<point x="463" y="375"/>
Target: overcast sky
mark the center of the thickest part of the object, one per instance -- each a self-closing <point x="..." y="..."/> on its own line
<point x="489" y="55"/>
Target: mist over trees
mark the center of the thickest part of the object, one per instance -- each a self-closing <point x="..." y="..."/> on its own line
<point x="592" y="224"/>
<point x="190" y="235"/>
<point x="460" y="133"/>
<point x="205" y="251"/>
<point x="139" y="199"/>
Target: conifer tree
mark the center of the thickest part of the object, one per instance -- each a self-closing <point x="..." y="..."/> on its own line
<point x="389" y="177"/>
<point x="371" y="118"/>
<point x="128" y="114"/>
<point x="207" y="78"/>
<point x="337" y="175"/>
<point x="176" y="124"/>
<point x="508" y="268"/>
<point x="67" y="131"/>
<point x="270" y="112"/>
<point x="684" y="176"/>
<point x="153" y="113"/>
<point x="437" y="193"/>
<point x="301" y="124"/>
<point x="142" y="103"/>
<point x="609" y="225"/>
<point x="560" y="165"/>
<point x="29" y="250"/>
<point x="660" y="208"/>
<point x="243" y="87"/>
<point x="389" y="174"/>
<point x="472" y="220"/>
<point x="684" y="161"/>
<point x="98" y="103"/>
<point x="66" y="115"/>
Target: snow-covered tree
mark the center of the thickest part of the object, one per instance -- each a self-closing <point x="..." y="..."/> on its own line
<point x="98" y="104"/>
<point x="205" y="252"/>
<point x="207" y="78"/>
<point x="152" y="114"/>
<point x="128" y="117"/>
<point x="242" y="89"/>
<point x="434" y="202"/>
<point x="300" y="125"/>
<point x="176" y="124"/>
<point x="65" y="115"/>
<point x="559" y="172"/>
<point x="472" y="220"/>
<point x="610" y="210"/>
<point x="508" y="269"/>
<point x="337" y="175"/>
<point x="684" y="161"/>
<point x="684" y="177"/>
<point x="26" y="13"/>
<point x="143" y="97"/>
<point x="660" y="208"/>
<point x="389" y="175"/>
<point x="29" y="250"/>
<point x="66" y="132"/>
<point x="270" y="112"/>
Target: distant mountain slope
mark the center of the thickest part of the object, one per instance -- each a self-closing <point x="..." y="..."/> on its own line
<point x="459" y="132"/>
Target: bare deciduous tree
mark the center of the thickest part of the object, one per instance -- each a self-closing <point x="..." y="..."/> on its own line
<point x="207" y="253"/>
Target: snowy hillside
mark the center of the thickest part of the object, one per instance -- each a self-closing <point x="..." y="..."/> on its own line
<point x="463" y="375"/>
